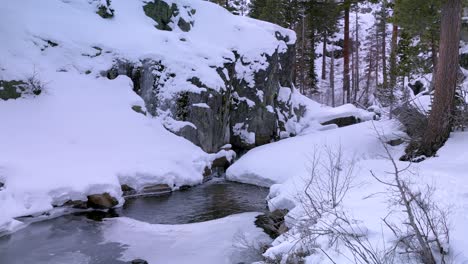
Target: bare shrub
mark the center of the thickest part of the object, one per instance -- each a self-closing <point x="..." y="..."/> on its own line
<point x="425" y="231"/>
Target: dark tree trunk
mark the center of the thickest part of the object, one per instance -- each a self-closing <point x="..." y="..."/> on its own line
<point x="346" y="48"/>
<point x="332" y="76"/>
<point x="356" y="71"/>
<point x="439" y="124"/>
<point x="393" y="66"/>
<point x="324" y="57"/>
<point x="384" y="47"/>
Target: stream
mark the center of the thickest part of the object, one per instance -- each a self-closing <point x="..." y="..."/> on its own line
<point x="78" y="238"/>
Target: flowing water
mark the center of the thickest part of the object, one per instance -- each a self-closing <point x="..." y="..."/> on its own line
<point x="77" y="238"/>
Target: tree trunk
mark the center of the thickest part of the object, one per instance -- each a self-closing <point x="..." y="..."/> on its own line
<point x="434" y="52"/>
<point x="393" y="67"/>
<point x="332" y="76"/>
<point x="384" y="47"/>
<point x="439" y="125"/>
<point x="324" y="57"/>
<point x="357" y="77"/>
<point x="346" y="80"/>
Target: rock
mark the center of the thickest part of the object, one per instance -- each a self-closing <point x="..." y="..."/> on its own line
<point x="165" y="15"/>
<point x="272" y="223"/>
<point x="139" y="261"/>
<point x="464" y="60"/>
<point x="77" y="204"/>
<point x="12" y="89"/>
<point x="221" y="162"/>
<point x="156" y="189"/>
<point x="207" y="174"/>
<point x="127" y="190"/>
<point x="395" y="142"/>
<point x="246" y="113"/>
<point x="343" y="121"/>
<point x="138" y="109"/>
<point x="185" y="187"/>
<point x="2" y="185"/>
<point x="417" y="87"/>
<point x="101" y="201"/>
<point x="105" y="10"/>
<point x="99" y="215"/>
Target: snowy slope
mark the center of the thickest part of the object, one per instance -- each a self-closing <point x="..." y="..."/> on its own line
<point x="286" y="165"/>
<point x="80" y="136"/>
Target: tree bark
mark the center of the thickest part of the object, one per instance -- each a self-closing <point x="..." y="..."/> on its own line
<point x="439" y="125"/>
<point x="357" y="77"/>
<point x="393" y="67"/>
<point x="332" y="76"/>
<point x="324" y="57"/>
<point x="346" y="80"/>
<point x="384" y="46"/>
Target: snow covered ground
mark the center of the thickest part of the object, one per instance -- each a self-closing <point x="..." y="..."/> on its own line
<point x="80" y="136"/>
<point x="227" y="240"/>
<point x="286" y="166"/>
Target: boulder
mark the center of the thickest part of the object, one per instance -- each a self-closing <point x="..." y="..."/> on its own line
<point x="127" y="190"/>
<point x="272" y="223"/>
<point x="343" y="121"/>
<point x="167" y="15"/>
<point x="101" y="201"/>
<point x="77" y="204"/>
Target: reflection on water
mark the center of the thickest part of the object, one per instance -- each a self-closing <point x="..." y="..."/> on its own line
<point x="210" y="201"/>
<point x="74" y="239"/>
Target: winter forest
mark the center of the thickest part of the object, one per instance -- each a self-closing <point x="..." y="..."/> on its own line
<point x="234" y="131"/>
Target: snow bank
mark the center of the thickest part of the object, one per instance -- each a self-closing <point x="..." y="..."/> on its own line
<point x="285" y="165"/>
<point x="223" y="240"/>
<point x="80" y="136"/>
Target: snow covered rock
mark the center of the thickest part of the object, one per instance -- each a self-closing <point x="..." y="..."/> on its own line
<point x="234" y="97"/>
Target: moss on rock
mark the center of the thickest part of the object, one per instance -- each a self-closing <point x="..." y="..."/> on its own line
<point x="11" y="89"/>
<point x="105" y="11"/>
<point x="161" y="12"/>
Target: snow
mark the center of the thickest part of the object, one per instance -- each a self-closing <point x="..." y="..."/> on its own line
<point x="76" y="140"/>
<point x="81" y="136"/>
<point x="285" y="166"/>
<point x="224" y="240"/>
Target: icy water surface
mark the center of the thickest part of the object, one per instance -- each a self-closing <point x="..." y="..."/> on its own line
<point x="78" y="238"/>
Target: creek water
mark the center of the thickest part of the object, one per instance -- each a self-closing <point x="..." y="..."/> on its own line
<point x="77" y="238"/>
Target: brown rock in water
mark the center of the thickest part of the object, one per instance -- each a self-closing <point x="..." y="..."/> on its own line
<point x="101" y="201"/>
<point x="157" y="188"/>
<point x="127" y="190"/>
<point x="78" y="204"/>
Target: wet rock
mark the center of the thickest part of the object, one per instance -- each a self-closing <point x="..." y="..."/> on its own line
<point x="127" y="190"/>
<point x="77" y="204"/>
<point x="139" y="261"/>
<point x="185" y="187"/>
<point x="343" y="121"/>
<point x="221" y="162"/>
<point x="156" y="189"/>
<point x="207" y="174"/>
<point x="99" y="215"/>
<point x="101" y="201"/>
<point x="272" y="223"/>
